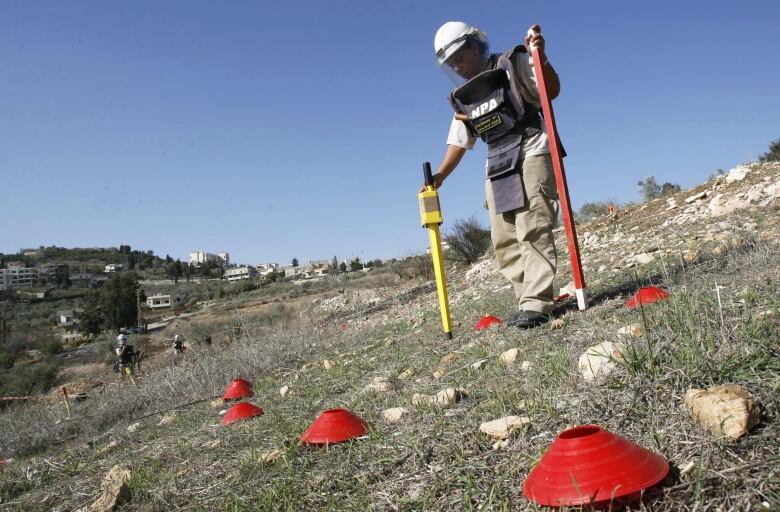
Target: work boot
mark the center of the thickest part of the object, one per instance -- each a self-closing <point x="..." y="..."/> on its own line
<point x="527" y="319"/>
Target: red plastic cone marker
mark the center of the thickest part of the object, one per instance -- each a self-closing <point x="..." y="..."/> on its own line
<point x="588" y="465"/>
<point x="240" y="411"/>
<point x="647" y="295"/>
<point x="486" y="321"/>
<point x="239" y="388"/>
<point x="334" y="426"/>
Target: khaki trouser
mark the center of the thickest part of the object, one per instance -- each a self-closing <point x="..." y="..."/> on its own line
<point x="523" y="239"/>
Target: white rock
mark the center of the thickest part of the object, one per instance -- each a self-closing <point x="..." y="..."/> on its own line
<point x="284" y="390"/>
<point x="634" y="330"/>
<point x="509" y="356"/>
<point x="135" y="426"/>
<point x="527" y="365"/>
<point x="449" y="396"/>
<point x="478" y="364"/>
<point x="738" y="173"/>
<point x="600" y="360"/>
<point x="696" y="197"/>
<point x="380" y="385"/>
<point x="421" y="399"/>
<point x="643" y="258"/>
<point x="328" y="364"/>
<point x="394" y="414"/>
<point x="725" y="410"/>
<point x="482" y="270"/>
<point x="503" y="427"/>
<point x="114" y="488"/>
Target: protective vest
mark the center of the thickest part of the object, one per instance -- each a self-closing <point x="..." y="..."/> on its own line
<point x="126" y="357"/>
<point x="498" y="115"/>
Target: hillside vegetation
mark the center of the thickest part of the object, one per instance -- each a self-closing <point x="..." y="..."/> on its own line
<point x="714" y="248"/>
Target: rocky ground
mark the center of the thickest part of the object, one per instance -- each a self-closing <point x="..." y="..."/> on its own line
<point x="458" y="424"/>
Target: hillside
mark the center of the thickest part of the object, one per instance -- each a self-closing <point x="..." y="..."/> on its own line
<point x="369" y="349"/>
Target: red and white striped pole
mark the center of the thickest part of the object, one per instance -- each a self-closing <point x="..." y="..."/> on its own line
<point x="560" y="177"/>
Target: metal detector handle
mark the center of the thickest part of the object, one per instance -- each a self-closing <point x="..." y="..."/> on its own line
<point x="427" y="174"/>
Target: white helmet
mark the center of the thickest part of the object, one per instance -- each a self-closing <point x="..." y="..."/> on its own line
<point x="121" y="339"/>
<point x="176" y="338"/>
<point x="451" y="36"/>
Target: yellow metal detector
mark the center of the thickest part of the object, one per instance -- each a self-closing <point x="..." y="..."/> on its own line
<point x="430" y="213"/>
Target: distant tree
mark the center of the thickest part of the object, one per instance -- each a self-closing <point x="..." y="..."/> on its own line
<point x="589" y="211"/>
<point x="650" y="189"/>
<point x="669" y="188"/>
<point x="343" y="266"/>
<point x="334" y="263"/>
<point x="355" y="265"/>
<point x="773" y="155"/>
<point x="468" y="239"/>
<point x="294" y="262"/>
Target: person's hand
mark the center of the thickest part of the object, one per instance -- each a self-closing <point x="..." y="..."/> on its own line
<point x="438" y="180"/>
<point x="534" y="38"/>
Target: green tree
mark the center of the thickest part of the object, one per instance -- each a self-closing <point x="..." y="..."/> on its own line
<point x="117" y="301"/>
<point x="773" y="155"/>
<point x="334" y="263"/>
<point x="650" y="189"/>
<point x="343" y="266"/>
<point x="294" y="262"/>
<point x="589" y="211"/>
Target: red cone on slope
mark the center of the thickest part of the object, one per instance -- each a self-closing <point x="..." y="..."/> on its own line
<point x="486" y="321"/>
<point x="239" y="412"/>
<point x="334" y="426"/>
<point x="239" y="388"/>
<point x="647" y="295"/>
<point x="588" y="465"/>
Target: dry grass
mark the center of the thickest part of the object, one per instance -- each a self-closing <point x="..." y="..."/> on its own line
<point x="435" y="459"/>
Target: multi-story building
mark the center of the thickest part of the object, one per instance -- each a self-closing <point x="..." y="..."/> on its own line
<point x="199" y="257"/>
<point x="18" y="277"/>
<point x="68" y="322"/>
<point x="266" y="268"/>
<point x="238" y="273"/>
<point x="114" y="267"/>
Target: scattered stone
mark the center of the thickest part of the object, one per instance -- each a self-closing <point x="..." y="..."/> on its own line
<point x="379" y="385"/>
<point x="284" y="390"/>
<point x="527" y="365"/>
<point x="114" y="488"/>
<point x="696" y="197"/>
<point x="268" y="457"/>
<point x="135" y="426"/>
<point x="501" y="445"/>
<point x="421" y="399"/>
<point x="168" y="418"/>
<point x="764" y="314"/>
<point x="726" y="409"/>
<point x="439" y="373"/>
<point x="478" y="364"/>
<point x="634" y="330"/>
<point x="107" y="448"/>
<point x="449" y="396"/>
<point x="406" y="374"/>
<point x="394" y="414"/>
<point x="328" y="364"/>
<point x="448" y="359"/>
<point x="503" y="427"/>
<point x="643" y="258"/>
<point x="569" y="289"/>
<point x="692" y="256"/>
<point x="557" y="324"/>
<point x="509" y="356"/>
<point x="481" y="270"/>
<point x="600" y="360"/>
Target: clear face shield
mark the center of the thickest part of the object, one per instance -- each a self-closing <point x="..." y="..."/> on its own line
<point x="464" y="58"/>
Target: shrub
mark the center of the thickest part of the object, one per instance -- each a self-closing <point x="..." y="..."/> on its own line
<point x="468" y="240"/>
<point x="589" y="211"/>
<point x="773" y="155"/>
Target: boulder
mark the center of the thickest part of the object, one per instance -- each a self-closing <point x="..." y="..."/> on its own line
<point x="724" y="410"/>
<point x="503" y="427"/>
<point x="114" y="490"/>
<point x="600" y="360"/>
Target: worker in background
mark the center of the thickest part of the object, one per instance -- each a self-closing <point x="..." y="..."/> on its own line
<point x="124" y="357"/>
<point x="178" y="345"/>
<point x="496" y="99"/>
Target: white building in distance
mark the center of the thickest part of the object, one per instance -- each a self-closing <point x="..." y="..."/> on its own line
<point x="198" y="257"/>
<point x="238" y="273"/>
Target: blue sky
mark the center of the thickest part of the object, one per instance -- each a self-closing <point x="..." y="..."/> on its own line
<point x="275" y="130"/>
